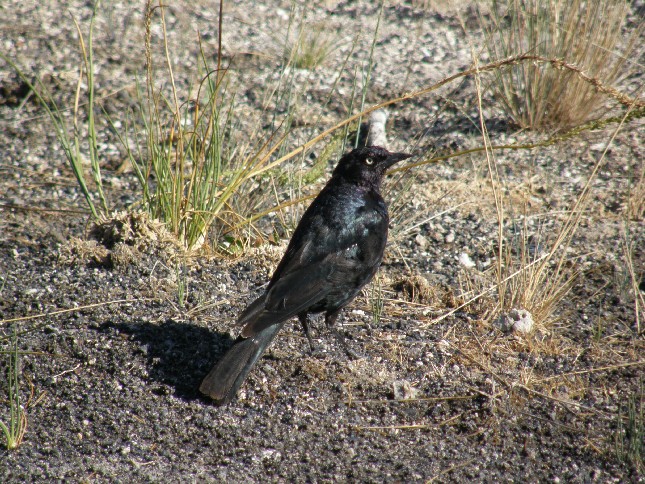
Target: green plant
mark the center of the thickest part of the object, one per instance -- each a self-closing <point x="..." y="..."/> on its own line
<point x="196" y="172"/>
<point x="182" y="283"/>
<point x="72" y="143"/>
<point x="14" y="431"/>
<point x="190" y="166"/>
<point x="312" y="46"/>
<point x="586" y="34"/>
<point x="630" y="435"/>
<point x="376" y="300"/>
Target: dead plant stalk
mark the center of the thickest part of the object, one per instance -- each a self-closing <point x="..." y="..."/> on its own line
<point x="621" y="98"/>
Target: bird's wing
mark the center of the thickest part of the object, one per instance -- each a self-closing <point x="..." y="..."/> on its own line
<point x="314" y="241"/>
<point x="290" y="295"/>
<point x="316" y="267"/>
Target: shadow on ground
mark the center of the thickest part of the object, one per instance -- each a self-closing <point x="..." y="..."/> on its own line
<point x="180" y="354"/>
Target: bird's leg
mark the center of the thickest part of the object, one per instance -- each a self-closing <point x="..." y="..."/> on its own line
<point x="330" y="321"/>
<point x="305" y="327"/>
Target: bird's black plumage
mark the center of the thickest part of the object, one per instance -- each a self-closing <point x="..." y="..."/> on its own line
<point x="335" y="250"/>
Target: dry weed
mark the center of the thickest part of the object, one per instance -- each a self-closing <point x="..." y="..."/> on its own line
<point x="636" y="200"/>
<point x="586" y="34"/>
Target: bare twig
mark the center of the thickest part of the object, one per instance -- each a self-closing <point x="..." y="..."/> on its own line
<point x="72" y="310"/>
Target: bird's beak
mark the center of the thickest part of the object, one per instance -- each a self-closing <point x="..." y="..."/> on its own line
<point x="395" y="158"/>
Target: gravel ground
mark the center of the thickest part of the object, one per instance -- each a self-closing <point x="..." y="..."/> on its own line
<point x="450" y="399"/>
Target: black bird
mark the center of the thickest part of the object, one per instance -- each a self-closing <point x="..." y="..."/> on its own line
<point x="335" y="250"/>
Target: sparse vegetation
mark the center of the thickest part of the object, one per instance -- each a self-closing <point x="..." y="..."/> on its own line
<point x="529" y="269"/>
<point x="15" y="427"/>
<point x="630" y="432"/>
<point x="586" y="34"/>
<point x="190" y="163"/>
<point x="71" y="143"/>
<point x="533" y="268"/>
<point x="376" y="300"/>
<point x="636" y="197"/>
<point x="312" y="45"/>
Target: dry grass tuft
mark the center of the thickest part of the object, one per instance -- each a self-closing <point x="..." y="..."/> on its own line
<point x="586" y="34"/>
<point x="542" y="279"/>
<point x="311" y="47"/>
<point x="636" y="200"/>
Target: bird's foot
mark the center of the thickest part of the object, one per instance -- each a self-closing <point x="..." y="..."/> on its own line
<point x="305" y="329"/>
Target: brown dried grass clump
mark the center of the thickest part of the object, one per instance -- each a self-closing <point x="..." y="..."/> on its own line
<point x="586" y="34"/>
<point x="636" y="202"/>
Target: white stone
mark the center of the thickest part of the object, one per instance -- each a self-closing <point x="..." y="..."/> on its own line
<point x="466" y="261"/>
<point x="519" y="320"/>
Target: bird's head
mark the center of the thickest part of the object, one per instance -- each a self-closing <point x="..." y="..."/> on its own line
<point x="367" y="165"/>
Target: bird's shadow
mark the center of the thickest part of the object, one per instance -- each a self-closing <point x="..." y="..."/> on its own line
<point x="179" y="354"/>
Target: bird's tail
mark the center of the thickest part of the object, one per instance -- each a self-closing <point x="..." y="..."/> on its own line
<point x="228" y="374"/>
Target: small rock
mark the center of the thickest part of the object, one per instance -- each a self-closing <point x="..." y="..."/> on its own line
<point x="403" y="390"/>
<point x="376" y="135"/>
<point x="271" y="455"/>
<point x="519" y="320"/>
<point x="421" y="241"/>
<point x="466" y="261"/>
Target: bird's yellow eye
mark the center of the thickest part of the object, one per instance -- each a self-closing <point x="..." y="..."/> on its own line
<point x="369" y="161"/>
